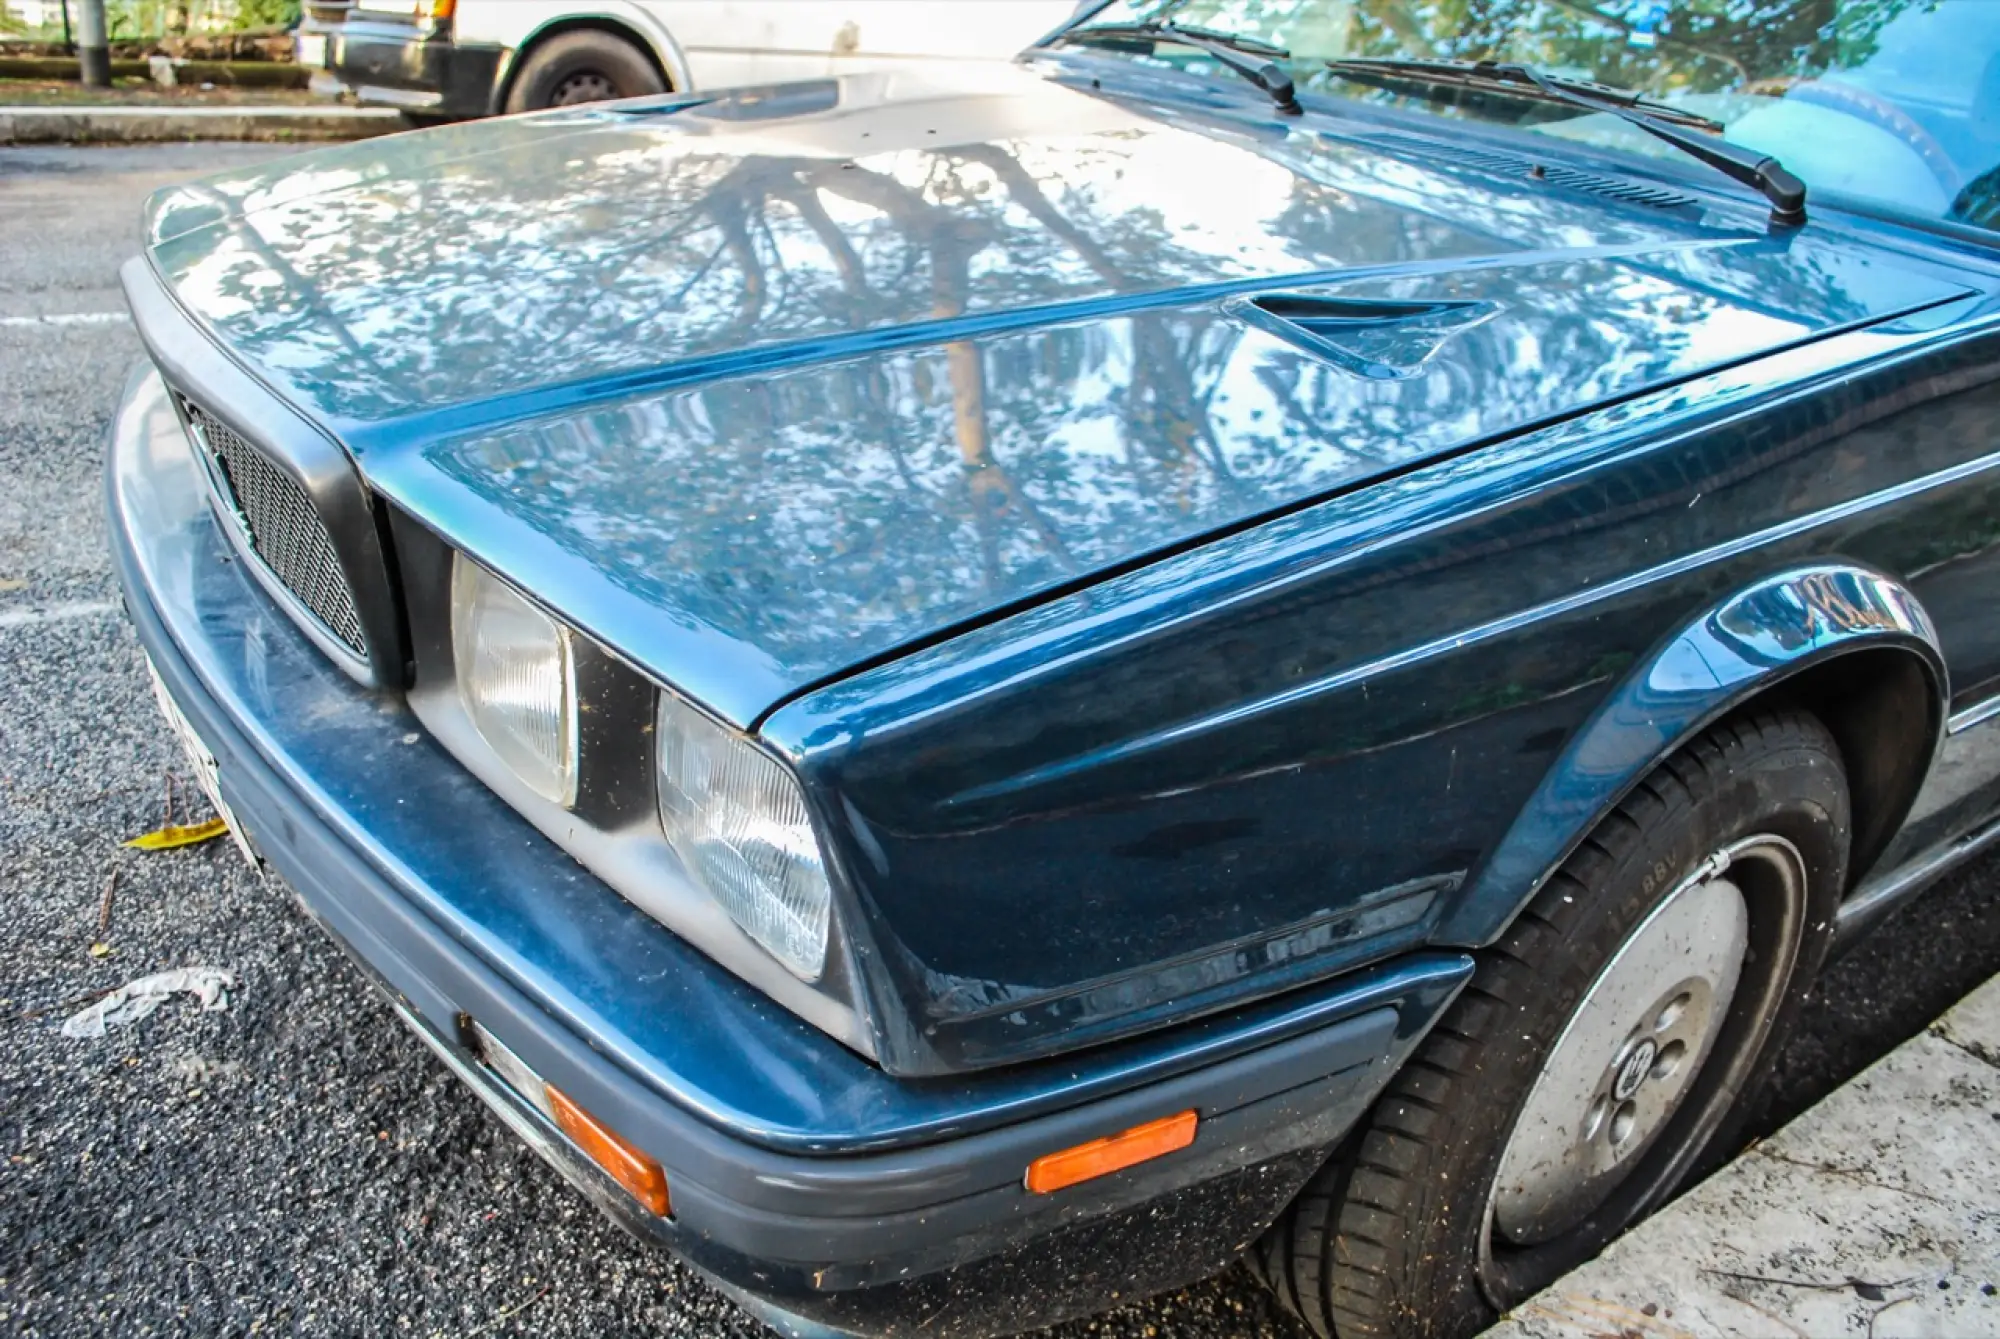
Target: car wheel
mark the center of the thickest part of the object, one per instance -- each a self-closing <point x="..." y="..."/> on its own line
<point x="1597" y="1054"/>
<point x="582" y="66"/>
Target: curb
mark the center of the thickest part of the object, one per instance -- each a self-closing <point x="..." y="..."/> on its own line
<point x="142" y="125"/>
<point x="1876" y="1213"/>
<point x="232" y="73"/>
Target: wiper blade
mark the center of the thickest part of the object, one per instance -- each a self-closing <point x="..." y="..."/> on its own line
<point x="1252" y="46"/>
<point x="1517" y="79"/>
<point x="1766" y="174"/>
<point x="1253" y="58"/>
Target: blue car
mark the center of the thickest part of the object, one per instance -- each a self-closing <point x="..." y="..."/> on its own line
<point x="1281" y="631"/>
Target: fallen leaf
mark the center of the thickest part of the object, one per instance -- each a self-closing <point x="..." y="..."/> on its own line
<point x="174" y="835"/>
<point x="100" y="950"/>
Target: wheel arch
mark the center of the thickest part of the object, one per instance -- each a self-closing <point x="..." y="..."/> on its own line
<point x="1846" y="642"/>
<point x="658" y="44"/>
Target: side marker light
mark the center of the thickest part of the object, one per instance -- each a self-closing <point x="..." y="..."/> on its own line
<point x="1114" y="1153"/>
<point x="630" y="1168"/>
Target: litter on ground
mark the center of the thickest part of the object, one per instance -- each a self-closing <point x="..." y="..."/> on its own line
<point x="138" y="999"/>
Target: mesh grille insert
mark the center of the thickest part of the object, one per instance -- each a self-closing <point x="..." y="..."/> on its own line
<point x="283" y="528"/>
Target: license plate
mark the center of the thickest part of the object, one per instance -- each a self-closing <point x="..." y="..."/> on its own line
<point x="310" y="49"/>
<point x="200" y="761"/>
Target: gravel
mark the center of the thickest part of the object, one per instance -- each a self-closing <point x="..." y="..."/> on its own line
<point x="297" y="1163"/>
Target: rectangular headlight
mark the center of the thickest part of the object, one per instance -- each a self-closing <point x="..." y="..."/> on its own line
<point x="517" y="677"/>
<point x="738" y="821"/>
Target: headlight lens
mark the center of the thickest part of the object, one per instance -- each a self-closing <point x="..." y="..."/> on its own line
<point x="517" y="678"/>
<point x="738" y="821"/>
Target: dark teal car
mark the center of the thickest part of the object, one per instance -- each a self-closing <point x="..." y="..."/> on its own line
<point x="1286" y="630"/>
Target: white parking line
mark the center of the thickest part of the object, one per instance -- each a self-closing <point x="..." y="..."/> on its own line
<point x="65" y="318"/>
<point x="56" y="613"/>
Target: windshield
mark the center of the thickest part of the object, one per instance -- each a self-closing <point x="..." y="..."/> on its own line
<point x="1896" y="101"/>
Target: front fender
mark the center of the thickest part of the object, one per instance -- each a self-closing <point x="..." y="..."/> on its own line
<point x="1738" y="649"/>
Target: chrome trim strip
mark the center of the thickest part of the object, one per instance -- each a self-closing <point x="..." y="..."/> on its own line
<point x="1977" y="714"/>
<point x="1877" y="896"/>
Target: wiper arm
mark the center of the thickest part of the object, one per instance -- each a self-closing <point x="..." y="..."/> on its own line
<point x="1229" y="50"/>
<point x="1764" y="173"/>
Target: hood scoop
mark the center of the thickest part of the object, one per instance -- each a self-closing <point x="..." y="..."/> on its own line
<point x="1372" y="338"/>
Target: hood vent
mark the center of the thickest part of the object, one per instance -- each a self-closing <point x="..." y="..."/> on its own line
<point x="1504" y="164"/>
<point x="1378" y="339"/>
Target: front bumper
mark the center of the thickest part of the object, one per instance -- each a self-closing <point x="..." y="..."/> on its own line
<point x="411" y="67"/>
<point x="813" y="1186"/>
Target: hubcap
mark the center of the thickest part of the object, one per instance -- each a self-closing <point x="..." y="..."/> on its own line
<point x="1618" y="1072"/>
<point x="584" y="86"/>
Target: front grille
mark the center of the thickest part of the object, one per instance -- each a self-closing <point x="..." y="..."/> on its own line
<point x="284" y="531"/>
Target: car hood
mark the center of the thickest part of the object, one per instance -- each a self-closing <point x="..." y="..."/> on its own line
<point x="763" y="387"/>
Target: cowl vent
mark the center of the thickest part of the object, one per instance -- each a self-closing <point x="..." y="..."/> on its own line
<point x="1378" y="339"/>
<point x="1504" y="164"/>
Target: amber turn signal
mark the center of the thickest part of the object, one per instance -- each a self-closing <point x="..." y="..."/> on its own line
<point x="608" y="1149"/>
<point x="1114" y="1153"/>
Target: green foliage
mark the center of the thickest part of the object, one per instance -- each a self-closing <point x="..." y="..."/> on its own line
<point x="267" y="13"/>
<point x="130" y="20"/>
<point x="127" y="19"/>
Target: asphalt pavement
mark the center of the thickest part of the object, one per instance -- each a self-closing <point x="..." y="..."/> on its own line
<point x="296" y="1163"/>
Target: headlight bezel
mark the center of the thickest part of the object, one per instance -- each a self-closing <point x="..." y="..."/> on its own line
<point x="614" y="830"/>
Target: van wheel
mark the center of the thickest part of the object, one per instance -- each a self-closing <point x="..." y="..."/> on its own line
<point x="584" y="65"/>
<point x="1597" y="1056"/>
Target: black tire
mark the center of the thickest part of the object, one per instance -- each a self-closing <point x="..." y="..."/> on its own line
<point x="583" y="65"/>
<point x="1395" y="1237"/>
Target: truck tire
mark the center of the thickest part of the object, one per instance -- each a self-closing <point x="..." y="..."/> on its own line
<point x="582" y="65"/>
<point x="1597" y="1056"/>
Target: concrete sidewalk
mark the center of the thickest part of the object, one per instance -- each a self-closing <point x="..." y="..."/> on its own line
<point x="1876" y="1214"/>
<point x="104" y="124"/>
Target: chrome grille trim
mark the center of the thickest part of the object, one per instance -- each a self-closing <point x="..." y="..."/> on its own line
<point x="280" y="524"/>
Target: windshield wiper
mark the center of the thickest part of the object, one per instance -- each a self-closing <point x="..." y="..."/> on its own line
<point x="1252" y="46"/>
<point x="1764" y="173"/>
<point x="1254" y="59"/>
<point x="1519" y="81"/>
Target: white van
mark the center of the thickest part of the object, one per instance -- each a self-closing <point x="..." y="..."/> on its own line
<point x="442" y="59"/>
